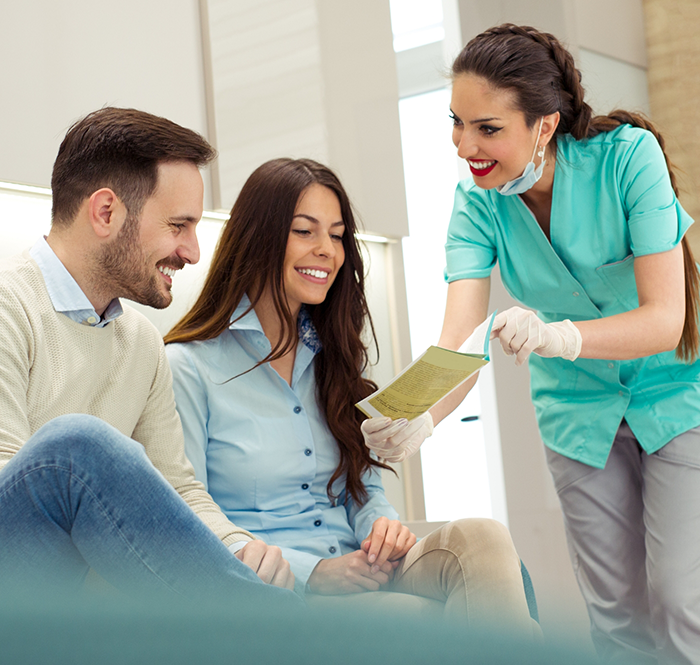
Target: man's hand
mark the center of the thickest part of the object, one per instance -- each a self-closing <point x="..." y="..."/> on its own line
<point x="389" y="541"/>
<point x="350" y="573"/>
<point x="267" y="563"/>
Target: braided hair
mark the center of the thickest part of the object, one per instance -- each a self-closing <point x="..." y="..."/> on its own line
<point x="543" y="78"/>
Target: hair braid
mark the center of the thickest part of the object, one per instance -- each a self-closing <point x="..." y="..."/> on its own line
<point x="537" y="68"/>
<point x="578" y="120"/>
<point x="690" y="339"/>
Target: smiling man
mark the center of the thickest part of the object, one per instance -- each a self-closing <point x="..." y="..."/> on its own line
<point x="92" y="466"/>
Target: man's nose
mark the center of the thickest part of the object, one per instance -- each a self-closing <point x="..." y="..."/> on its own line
<point x="189" y="250"/>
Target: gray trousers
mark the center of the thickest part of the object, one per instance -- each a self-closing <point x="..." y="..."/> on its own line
<point x="634" y="539"/>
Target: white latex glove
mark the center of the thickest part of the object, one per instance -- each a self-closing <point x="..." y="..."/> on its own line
<point x="395" y="440"/>
<point x="522" y="332"/>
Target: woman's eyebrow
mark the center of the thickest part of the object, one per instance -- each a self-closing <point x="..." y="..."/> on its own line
<point x="478" y="120"/>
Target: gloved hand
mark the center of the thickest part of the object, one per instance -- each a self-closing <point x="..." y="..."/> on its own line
<point x="522" y="332"/>
<point x="395" y="440"/>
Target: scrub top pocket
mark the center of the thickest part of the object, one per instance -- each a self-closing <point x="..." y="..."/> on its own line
<point x="619" y="292"/>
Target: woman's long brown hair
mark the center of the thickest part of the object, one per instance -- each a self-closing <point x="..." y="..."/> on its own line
<point x="249" y="259"/>
<point x="541" y="73"/>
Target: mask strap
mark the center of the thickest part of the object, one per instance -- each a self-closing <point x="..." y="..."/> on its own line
<point x="534" y="150"/>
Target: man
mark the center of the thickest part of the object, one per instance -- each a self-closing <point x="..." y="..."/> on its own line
<point x="92" y="464"/>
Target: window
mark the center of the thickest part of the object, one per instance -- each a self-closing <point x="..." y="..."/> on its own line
<point x="462" y="471"/>
<point x="416" y="23"/>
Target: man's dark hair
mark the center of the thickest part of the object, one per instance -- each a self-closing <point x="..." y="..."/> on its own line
<point x="119" y="149"/>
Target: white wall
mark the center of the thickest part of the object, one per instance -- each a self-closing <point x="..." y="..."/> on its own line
<point x="611" y="83"/>
<point x="267" y="92"/>
<point x="62" y="60"/>
<point x="310" y="78"/>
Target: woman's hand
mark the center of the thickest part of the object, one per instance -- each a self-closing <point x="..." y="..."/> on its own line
<point x="395" y="440"/>
<point x="388" y="542"/>
<point x="522" y="332"/>
<point x="267" y="563"/>
<point x="350" y="573"/>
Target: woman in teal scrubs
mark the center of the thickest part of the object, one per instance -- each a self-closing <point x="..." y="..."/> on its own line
<point x="581" y="214"/>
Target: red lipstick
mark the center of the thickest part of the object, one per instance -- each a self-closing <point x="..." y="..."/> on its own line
<point x="480" y="173"/>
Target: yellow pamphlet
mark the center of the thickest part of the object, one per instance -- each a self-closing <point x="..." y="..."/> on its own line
<point x="429" y="378"/>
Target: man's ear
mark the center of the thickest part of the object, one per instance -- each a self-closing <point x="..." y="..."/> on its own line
<point x="106" y="212"/>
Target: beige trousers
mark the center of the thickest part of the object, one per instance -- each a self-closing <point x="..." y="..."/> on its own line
<point x="470" y="567"/>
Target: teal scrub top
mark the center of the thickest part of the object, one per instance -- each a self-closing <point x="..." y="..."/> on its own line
<point x="612" y="201"/>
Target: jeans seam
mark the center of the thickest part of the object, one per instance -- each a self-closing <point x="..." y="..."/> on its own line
<point x="102" y="510"/>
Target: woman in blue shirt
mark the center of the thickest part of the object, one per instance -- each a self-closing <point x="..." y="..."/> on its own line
<point x="267" y="368"/>
<point x="581" y="214"/>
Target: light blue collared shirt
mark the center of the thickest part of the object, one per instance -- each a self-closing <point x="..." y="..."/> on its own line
<point x="263" y="449"/>
<point x="66" y="296"/>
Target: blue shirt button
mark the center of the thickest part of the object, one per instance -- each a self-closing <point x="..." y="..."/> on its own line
<point x="305" y="486"/>
<point x="297" y="409"/>
<point x="317" y="523"/>
<point x="332" y="549"/>
<point x="307" y="452"/>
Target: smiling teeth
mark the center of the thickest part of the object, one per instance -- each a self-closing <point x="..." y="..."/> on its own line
<point x="170" y="272"/>
<point x="319" y="274"/>
<point x="480" y="166"/>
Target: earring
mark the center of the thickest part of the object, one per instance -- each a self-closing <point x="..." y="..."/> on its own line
<point x="540" y="152"/>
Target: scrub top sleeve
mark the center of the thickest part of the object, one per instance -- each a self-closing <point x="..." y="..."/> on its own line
<point x="656" y="220"/>
<point x="191" y="403"/>
<point x="361" y="518"/>
<point x="470" y="249"/>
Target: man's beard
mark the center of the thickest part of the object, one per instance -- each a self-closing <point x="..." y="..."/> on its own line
<point x="124" y="269"/>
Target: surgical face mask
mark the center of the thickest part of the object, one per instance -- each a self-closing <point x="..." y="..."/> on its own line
<point x="530" y="175"/>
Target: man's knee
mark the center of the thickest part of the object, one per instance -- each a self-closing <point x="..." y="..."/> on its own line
<point x="77" y="436"/>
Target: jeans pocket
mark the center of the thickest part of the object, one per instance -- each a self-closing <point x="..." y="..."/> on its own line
<point x="682" y="449"/>
<point x="566" y="471"/>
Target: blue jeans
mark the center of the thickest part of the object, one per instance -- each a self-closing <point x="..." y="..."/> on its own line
<point x="80" y="495"/>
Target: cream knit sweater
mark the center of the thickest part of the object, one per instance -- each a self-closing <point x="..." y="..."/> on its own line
<point x="51" y="365"/>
